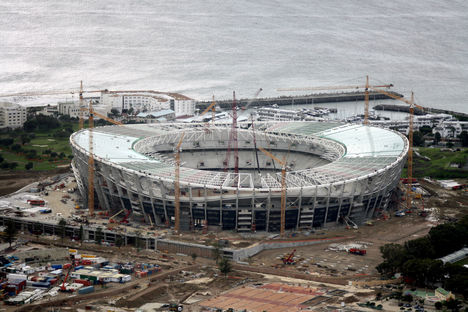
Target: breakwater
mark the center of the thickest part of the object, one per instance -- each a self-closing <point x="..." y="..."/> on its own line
<point x="299" y="100"/>
<point x="417" y="111"/>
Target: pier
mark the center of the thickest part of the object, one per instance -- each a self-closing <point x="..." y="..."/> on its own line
<point x="300" y="100"/>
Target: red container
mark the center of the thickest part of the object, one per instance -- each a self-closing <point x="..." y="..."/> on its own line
<point x="86" y="262"/>
<point x="53" y="281"/>
<point x="83" y="282"/>
<point x="66" y="266"/>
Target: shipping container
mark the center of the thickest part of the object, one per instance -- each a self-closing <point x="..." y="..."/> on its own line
<point x="86" y="290"/>
<point x="84" y="282"/>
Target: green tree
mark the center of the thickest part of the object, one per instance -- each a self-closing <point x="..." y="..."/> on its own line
<point x="438" y="305"/>
<point x="1" y="158"/>
<point x="81" y="233"/>
<point x="13" y="165"/>
<point x="16" y="148"/>
<point x="6" y="142"/>
<point x="216" y="251"/>
<point x="31" y="154"/>
<point x="437" y="138"/>
<point x="446" y="238"/>
<point x="463" y="138"/>
<point x="25" y="139"/>
<point x="394" y="256"/>
<point x="28" y="166"/>
<point x="194" y="256"/>
<point x="425" y="130"/>
<point x="61" y="228"/>
<point x="420" y="248"/>
<point x="10" y="232"/>
<point x="119" y="241"/>
<point x="225" y="266"/>
<point x="99" y="235"/>
<point x="418" y="139"/>
<point x="30" y="125"/>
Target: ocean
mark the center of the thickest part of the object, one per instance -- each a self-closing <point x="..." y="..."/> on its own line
<point x="201" y="48"/>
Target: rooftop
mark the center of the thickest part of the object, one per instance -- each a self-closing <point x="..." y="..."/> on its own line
<point x="356" y="151"/>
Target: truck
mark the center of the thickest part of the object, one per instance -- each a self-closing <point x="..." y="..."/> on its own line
<point x="357" y="251"/>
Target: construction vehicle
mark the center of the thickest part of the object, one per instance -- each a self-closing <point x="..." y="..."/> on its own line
<point x="289" y="259"/>
<point x="357" y="251"/>
<point x="63" y="288"/>
<point x="175" y="307"/>
<point x="125" y="218"/>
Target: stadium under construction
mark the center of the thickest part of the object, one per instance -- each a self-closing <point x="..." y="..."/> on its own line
<point x="335" y="173"/>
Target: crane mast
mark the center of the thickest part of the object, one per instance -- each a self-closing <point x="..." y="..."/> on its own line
<point x="81" y="106"/>
<point x="177" y="185"/>
<point x="283" y="187"/>
<point x="410" y="155"/>
<point x="91" y="162"/>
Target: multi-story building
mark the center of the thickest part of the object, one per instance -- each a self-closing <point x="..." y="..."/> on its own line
<point x="145" y="101"/>
<point x="71" y="109"/>
<point x="12" y="115"/>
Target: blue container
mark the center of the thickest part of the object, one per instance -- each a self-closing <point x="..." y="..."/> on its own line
<point x="79" y="267"/>
<point x="56" y="266"/>
<point x="41" y="284"/>
<point x="86" y="290"/>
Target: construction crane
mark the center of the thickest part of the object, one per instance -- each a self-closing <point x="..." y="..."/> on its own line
<point x="412" y="105"/>
<point x="177" y="185"/>
<point x="81" y="120"/>
<point x="252" y="99"/>
<point x="283" y="186"/>
<point x="93" y="113"/>
<point x="63" y="288"/>
<point x="213" y="110"/>
<point x="366" y="88"/>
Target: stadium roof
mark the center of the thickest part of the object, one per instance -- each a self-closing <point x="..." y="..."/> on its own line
<point x="367" y="151"/>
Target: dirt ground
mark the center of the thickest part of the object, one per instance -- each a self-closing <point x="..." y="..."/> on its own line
<point x="320" y="261"/>
<point x="12" y="181"/>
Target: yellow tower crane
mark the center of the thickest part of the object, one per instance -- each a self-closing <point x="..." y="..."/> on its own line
<point x="213" y="110"/>
<point x="283" y="186"/>
<point x="177" y="185"/>
<point x="93" y="113"/>
<point x="411" y="104"/>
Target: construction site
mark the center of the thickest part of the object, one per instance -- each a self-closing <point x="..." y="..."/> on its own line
<point x="140" y="223"/>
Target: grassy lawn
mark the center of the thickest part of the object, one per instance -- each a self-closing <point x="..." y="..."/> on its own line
<point x="43" y="141"/>
<point x="439" y="165"/>
<point x="462" y="262"/>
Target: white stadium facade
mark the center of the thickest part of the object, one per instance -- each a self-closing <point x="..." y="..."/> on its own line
<point x="335" y="173"/>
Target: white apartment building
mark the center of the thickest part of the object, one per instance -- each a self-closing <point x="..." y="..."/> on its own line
<point x="148" y="101"/>
<point x="451" y="128"/>
<point x="12" y="115"/>
<point x="183" y="107"/>
<point x="71" y="109"/>
<point x="138" y="101"/>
